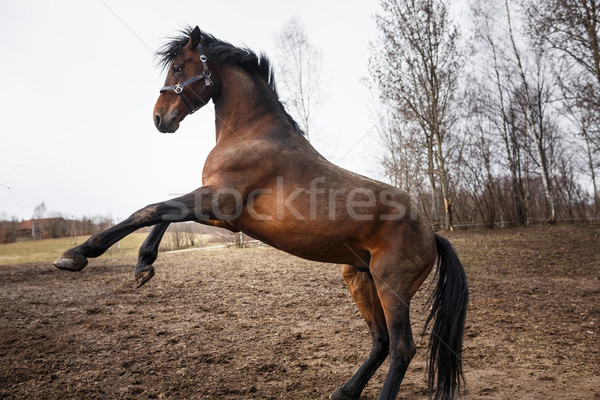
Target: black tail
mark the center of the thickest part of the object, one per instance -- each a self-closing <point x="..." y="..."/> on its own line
<point x="448" y="311"/>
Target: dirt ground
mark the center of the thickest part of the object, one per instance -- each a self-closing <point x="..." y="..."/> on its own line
<point x="260" y="324"/>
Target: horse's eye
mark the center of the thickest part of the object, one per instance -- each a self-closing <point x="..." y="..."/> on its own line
<point x="177" y="69"/>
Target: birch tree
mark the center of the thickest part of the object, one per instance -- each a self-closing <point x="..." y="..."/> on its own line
<point x="417" y="69"/>
<point x="533" y="109"/>
<point x="495" y="100"/>
<point x="299" y="69"/>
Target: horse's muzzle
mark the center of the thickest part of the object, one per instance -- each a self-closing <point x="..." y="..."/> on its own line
<point x="167" y="122"/>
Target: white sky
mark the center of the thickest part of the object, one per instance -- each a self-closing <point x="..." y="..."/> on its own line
<point x="78" y="90"/>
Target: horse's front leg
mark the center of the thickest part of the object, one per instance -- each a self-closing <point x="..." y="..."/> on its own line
<point x="206" y="203"/>
<point x="144" y="271"/>
<point x="148" y="253"/>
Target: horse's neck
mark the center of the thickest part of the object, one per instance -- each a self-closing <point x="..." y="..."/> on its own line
<point x="242" y="104"/>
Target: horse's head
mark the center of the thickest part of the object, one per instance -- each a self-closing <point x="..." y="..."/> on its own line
<point x="188" y="86"/>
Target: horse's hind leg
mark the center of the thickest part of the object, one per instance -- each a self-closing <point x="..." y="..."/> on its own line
<point x="364" y="292"/>
<point x="395" y="283"/>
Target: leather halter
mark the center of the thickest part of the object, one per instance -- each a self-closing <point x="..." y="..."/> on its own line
<point x="178" y="88"/>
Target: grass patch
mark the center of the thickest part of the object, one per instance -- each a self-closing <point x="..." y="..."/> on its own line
<point x="48" y="250"/>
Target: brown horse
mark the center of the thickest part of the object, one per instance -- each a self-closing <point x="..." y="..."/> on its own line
<point x="263" y="178"/>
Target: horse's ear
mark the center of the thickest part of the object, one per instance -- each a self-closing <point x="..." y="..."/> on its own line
<point x="195" y="37"/>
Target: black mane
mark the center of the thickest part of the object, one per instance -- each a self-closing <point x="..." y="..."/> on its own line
<point x="225" y="52"/>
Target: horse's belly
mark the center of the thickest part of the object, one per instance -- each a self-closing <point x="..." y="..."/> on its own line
<point x="313" y="240"/>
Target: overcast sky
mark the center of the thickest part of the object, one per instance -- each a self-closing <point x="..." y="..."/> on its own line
<point x="79" y="83"/>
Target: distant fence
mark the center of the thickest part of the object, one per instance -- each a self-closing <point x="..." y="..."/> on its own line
<point x="249" y="243"/>
<point x="514" y="224"/>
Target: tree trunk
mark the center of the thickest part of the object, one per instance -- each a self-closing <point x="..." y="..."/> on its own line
<point x="550" y="200"/>
<point x="444" y="183"/>
<point x="511" y="160"/>
<point x="435" y="208"/>
<point x="590" y="159"/>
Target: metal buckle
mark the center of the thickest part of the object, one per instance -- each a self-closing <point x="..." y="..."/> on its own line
<point x="178" y="88"/>
<point x="203" y="58"/>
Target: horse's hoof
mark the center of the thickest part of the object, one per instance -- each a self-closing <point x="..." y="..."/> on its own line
<point x="143" y="274"/>
<point x="342" y="394"/>
<point x="71" y="262"/>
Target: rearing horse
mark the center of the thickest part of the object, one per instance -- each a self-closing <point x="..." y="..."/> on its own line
<point x="265" y="179"/>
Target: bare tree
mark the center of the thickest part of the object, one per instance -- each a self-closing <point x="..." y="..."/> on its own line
<point x="404" y="156"/>
<point x="37" y="228"/>
<point x="533" y="100"/>
<point x="495" y="100"/>
<point x="570" y="28"/>
<point x="176" y="237"/>
<point x="299" y="67"/>
<point x="189" y="234"/>
<point x="522" y="95"/>
<point x="8" y="229"/>
<point x="477" y="163"/>
<point x="239" y="240"/>
<point x="511" y="161"/>
<point x="417" y="69"/>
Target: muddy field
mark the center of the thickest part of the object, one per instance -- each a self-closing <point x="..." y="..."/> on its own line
<point x="260" y="324"/>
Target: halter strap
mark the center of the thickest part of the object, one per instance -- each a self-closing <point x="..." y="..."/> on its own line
<point x="178" y="88"/>
<point x="206" y="73"/>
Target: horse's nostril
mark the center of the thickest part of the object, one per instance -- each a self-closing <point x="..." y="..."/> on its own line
<point x="157" y="120"/>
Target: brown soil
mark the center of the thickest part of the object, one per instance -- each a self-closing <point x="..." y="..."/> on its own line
<point x="260" y="324"/>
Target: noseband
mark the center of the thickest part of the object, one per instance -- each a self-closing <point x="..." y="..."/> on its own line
<point x="178" y="88"/>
